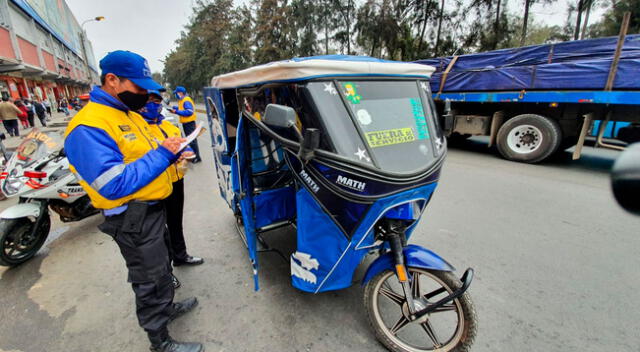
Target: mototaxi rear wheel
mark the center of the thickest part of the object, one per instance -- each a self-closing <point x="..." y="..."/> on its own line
<point x="451" y="327"/>
<point x="18" y="243"/>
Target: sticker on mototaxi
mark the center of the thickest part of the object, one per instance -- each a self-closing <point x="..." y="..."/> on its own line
<point x="351" y="93"/>
<point x="390" y="137"/>
<point x="420" y="119"/>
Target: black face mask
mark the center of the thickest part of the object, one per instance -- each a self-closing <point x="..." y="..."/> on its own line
<point x="132" y="100"/>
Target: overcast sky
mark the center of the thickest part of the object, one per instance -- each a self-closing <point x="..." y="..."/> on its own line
<point x="150" y="27"/>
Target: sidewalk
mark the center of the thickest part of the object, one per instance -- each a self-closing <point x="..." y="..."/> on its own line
<point x="58" y="123"/>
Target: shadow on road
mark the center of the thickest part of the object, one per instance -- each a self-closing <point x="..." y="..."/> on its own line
<point x="598" y="160"/>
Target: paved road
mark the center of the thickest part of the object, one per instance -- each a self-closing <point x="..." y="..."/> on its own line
<point x="556" y="262"/>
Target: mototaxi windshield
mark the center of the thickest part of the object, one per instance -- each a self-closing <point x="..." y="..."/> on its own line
<point x="385" y="124"/>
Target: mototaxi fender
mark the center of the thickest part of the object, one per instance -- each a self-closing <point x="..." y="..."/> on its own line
<point x="414" y="256"/>
<point x="21" y="210"/>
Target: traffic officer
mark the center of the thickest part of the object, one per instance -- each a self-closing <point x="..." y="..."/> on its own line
<point x="174" y="204"/>
<point x="186" y="111"/>
<point x="124" y="171"/>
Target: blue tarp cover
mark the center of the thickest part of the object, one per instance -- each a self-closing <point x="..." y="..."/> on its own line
<point x="580" y="64"/>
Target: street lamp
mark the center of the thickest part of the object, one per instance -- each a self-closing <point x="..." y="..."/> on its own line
<point x="84" y="49"/>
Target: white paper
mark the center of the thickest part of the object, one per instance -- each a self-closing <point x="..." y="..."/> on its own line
<point x="192" y="136"/>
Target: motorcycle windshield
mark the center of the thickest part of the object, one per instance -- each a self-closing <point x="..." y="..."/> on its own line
<point x="37" y="145"/>
<point x="388" y="124"/>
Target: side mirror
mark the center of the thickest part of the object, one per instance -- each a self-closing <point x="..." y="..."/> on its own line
<point x="310" y="143"/>
<point x="281" y="116"/>
<point x="625" y="179"/>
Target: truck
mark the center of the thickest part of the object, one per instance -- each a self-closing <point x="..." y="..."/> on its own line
<point x="538" y="100"/>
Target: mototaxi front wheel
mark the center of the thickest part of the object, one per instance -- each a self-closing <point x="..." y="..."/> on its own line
<point x="452" y="327"/>
<point x="18" y="242"/>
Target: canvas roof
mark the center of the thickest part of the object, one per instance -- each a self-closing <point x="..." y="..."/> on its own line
<point x="299" y="69"/>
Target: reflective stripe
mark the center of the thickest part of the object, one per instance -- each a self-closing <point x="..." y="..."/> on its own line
<point x="78" y="177"/>
<point x="107" y="176"/>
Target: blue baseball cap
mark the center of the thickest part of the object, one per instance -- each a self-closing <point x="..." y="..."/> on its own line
<point x="155" y="92"/>
<point x="131" y="66"/>
<point x="180" y="89"/>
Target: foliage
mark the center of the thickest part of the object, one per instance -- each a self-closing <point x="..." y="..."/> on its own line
<point x="221" y="37"/>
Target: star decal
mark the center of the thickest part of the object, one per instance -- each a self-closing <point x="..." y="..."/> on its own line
<point x="362" y="154"/>
<point x="328" y="87"/>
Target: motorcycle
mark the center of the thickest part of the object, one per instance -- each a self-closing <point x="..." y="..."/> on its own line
<point x="38" y="173"/>
<point x="347" y="151"/>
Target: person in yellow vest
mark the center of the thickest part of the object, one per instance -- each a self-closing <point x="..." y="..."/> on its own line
<point x="187" y="111"/>
<point x="174" y="204"/>
<point x="124" y="170"/>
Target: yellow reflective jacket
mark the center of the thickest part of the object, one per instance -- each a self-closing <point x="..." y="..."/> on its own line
<point x="191" y="117"/>
<point x="162" y="131"/>
<point x="133" y="138"/>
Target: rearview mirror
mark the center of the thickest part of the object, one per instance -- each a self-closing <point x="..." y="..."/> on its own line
<point x="625" y="179"/>
<point x="281" y="116"/>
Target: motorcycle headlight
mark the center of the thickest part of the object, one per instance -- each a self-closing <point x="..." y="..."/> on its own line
<point x="12" y="185"/>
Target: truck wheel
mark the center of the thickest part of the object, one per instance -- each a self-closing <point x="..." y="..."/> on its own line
<point x="529" y="138"/>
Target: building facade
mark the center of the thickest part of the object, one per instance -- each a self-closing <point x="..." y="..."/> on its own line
<point x="44" y="53"/>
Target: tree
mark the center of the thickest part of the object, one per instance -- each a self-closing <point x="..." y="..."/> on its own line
<point x="612" y="19"/>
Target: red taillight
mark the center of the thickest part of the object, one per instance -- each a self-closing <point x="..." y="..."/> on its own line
<point x="35" y="174"/>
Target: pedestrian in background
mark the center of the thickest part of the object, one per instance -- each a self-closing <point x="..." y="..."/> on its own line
<point x="9" y="113"/>
<point x="24" y="114"/>
<point x="47" y="106"/>
<point x="174" y="204"/>
<point x="41" y="112"/>
<point x="187" y="112"/>
<point x="30" y="112"/>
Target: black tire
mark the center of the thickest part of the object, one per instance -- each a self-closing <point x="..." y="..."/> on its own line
<point x="10" y="229"/>
<point x="465" y="327"/>
<point x="537" y="138"/>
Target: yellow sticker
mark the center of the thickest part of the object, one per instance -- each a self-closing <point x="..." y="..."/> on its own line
<point x="390" y="137"/>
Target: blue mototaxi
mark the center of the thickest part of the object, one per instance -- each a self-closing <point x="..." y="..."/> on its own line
<point x="348" y="150"/>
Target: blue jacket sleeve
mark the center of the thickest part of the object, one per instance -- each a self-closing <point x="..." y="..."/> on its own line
<point x="103" y="167"/>
<point x="188" y="109"/>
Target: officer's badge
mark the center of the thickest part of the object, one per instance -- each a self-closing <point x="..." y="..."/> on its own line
<point x="130" y="137"/>
<point x="124" y="128"/>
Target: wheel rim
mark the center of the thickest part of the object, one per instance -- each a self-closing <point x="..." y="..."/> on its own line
<point x="20" y="242"/>
<point x="438" y="331"/>
<point x="524" y="139"/>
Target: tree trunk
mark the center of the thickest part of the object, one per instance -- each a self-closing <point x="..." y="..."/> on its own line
<point x="348" y="27"/>
<point x="496" y="27"/>
<point x="436" y="50"/>
<point x="586" y="18"/>
<point x="527" y="4"/>
<point x="326" y="30"/>
<point x="576" y="33"/>
<point x="423" y="29"/>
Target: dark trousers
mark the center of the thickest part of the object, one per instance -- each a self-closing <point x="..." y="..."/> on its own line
<point x="30" y="119"/>
<point x="43" y="119"/>
<point x="49" y="111"/>
<point x="11" y="126"/>
<point x="189" y="127"/>
<point x="174" y="205"/>
<point x="147" y="257"/>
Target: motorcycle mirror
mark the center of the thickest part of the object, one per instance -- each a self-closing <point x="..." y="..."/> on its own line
<point x="625" y="179"/>
<point x="281" y="116"/>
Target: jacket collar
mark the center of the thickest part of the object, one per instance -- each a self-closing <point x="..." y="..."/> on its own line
<point x="99" y="96"/>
